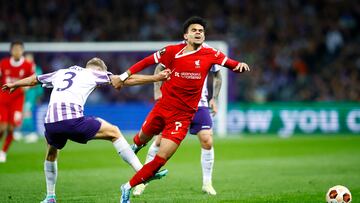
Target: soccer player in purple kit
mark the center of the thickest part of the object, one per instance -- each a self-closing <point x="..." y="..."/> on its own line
<point x="65" y="119"/>
<point x="201" y="125"/>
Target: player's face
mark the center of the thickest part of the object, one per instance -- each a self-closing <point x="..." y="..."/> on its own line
<point x="17" y="51"/>
<point x="195" y="34"/>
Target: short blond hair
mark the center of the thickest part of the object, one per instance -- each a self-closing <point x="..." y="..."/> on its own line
<point x="97" y="62"/>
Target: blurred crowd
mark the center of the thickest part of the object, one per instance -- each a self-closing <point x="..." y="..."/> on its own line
<point x="299" y="50"/>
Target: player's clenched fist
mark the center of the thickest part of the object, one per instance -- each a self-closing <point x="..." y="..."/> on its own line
<point x="9" y="86"/>
<point x="163" y="75"/>
<point x="116" y="82"/>
<point x="241" y="67"/>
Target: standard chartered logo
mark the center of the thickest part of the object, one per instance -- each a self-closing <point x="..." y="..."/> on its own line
<point x="288" y="122"/>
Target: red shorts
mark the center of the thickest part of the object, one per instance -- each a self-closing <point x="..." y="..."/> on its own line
<point x="11" y="111"/>
<point x="173" y="123"/>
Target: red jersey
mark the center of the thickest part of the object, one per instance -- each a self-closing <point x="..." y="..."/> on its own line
<point x="11" y="71"/>
<point x="189" y="71"/>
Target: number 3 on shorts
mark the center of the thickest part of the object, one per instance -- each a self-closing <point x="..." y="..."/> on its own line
<point x="177" y="125"/>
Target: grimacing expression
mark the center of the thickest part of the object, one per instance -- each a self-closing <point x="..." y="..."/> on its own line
<point x="195" y="34"/>
<point x="17" y="51"/>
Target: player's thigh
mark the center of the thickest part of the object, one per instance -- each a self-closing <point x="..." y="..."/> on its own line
<point x="176" y="130"/>
<point x="153" y="124"/>
<point x="167" y="148"/>
<point x="202" y="121"/>
<point x="107" y="131"/>
<point x="206" y="138"/>
<point x="16" y="112"/>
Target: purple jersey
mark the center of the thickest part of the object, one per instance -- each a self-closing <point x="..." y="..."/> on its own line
<point x="71" y="88"/>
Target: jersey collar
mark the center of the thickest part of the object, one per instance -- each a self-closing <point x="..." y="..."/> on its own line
<point x="180" y="53"/>
<point x="17" y="63"/>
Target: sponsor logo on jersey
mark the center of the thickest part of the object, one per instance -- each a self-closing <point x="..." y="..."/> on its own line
<point x="188" y="75"/>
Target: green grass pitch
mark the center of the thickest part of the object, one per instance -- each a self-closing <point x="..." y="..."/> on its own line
<point x="247" y="169"/>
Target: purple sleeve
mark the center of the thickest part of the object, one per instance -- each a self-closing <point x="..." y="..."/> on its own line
<point x="46" y="78"/>
<point x="101" y="77"/>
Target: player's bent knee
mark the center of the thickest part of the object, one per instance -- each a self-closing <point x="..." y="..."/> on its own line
<point x="114" y="132"/>
<point x="206" y="142"/>
<point x="207" y="146"/>
<point x="52" y="154"/>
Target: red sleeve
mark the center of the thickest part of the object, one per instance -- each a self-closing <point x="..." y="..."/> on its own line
<point x="141" y="65"/>
<point x="230" y="63"/>
<point x="165" y="55"/>
<point x="162" y="56"/>
<point x="223" y="60"/>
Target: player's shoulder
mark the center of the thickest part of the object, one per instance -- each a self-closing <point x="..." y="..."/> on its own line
<point x="208" y="48"/>
<point x="28" y="64"/>
<point x="5" y="60"/>
<point x="76" y="68"/>
<point x="68" y="69"/>
<point x="174" y="47"/>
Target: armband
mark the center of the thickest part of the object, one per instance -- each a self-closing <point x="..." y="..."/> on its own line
<point x="124" y="76"/>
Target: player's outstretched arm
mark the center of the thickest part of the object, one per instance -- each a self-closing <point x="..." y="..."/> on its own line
<point x="28" y="81"/>
<point x="138" y="79"/>
<point x="236" y="66"/>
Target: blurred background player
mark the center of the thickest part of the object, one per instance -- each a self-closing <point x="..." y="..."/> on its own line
<point x="201" y="126"/>
<point x="12" y="69"/>
<point x="189" y="63"/>
<point x="65" y="119"/>
<point x="32" y="98"/>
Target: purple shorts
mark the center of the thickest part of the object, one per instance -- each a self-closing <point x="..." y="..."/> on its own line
<point x="201" y="121"/>
<point x="79" y="130"/>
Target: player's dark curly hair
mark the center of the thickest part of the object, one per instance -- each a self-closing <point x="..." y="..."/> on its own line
<point x="194" y="20"/>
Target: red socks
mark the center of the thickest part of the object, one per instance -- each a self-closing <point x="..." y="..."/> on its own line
<point x="136" y="140"/>
<point x="8" y="140"/>
<point x="147" y="171"/>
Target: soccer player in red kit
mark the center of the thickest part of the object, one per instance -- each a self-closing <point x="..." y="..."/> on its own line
<point x="190" y="63"/>
<point x="12" y="68"/>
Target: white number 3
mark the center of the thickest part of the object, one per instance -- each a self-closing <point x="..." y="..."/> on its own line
<point x="178" y="125"/>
